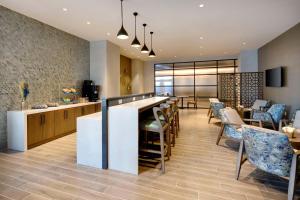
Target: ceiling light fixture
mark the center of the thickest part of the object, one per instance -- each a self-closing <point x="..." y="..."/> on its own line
<point x="122" y="34"/>
<point x="201" y="38"/>
<point x="244" y="43"/>
<point x="88" y="23"/>
<point x="135" y="43"/>
<point x="201" y="5"/>
<point x="65" y="9"/>
<point x="145" y="48"/>
<point x="108" y="33"/>
<point x="151" y="54"/>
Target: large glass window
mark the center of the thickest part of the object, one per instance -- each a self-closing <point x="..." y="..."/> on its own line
<point x="192" y="80"/>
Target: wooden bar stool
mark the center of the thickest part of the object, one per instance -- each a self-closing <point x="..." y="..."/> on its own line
<point x="153" y="128"/>
<point x="166" y="108"/>
<point x="173" y="124"/>
<point x="176" y="100"/>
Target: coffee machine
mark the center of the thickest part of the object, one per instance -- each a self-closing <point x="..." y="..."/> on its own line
<point x="90" y="90"/>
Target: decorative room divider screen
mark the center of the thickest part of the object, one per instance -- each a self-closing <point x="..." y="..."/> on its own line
<point x="241" y="88"/>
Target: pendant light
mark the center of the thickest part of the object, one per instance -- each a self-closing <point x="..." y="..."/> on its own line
<point x="122" y="34"/>
<point x="145" y="48"/>
<point x="151" y="54"/>
<point x="135" y="43"/>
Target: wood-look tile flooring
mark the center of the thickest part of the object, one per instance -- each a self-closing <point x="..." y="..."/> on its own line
<point x="198" y="169"/>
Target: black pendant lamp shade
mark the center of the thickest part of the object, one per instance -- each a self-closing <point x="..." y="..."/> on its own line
<point x="122" y="34"/>
<point x="145" y="48"/>
<point x="151" y="54"/>
<point x="135" y="43"/>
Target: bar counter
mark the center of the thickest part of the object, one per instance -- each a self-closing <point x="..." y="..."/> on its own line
<point x="123" y="137"/>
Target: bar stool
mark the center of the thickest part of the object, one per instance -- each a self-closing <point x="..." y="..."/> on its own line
<point x="173" y="124"/>
<point x="166" y="108"/>
<point x="158" y="126"/>
<point x="176" y="100"/>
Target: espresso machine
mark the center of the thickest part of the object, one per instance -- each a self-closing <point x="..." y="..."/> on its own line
<point x="90" y="90"/>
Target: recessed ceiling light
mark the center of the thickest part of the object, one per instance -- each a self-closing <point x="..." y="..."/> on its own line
<point x="201" y="47"/>
<point x="88" y="22"/>
<point x="175" y="56"/>
<point x="201" y="38"/>
<point x="65" y="9"/>
<point x="201" y="5"/>
<point x="108" y="33"/>
<point x="244" y="43"/>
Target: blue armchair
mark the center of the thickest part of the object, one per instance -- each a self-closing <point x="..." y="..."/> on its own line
<point x="211" y="100"/>
<point x="232" y="124"/>
<point x="215" y="107"/>
<point x="272" y="116"/>
<point x="269" y="151"/>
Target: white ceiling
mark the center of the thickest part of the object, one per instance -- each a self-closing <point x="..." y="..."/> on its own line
<point x="177" y="24"/>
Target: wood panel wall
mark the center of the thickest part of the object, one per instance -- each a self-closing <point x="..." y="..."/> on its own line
<point x="125" y="75"/>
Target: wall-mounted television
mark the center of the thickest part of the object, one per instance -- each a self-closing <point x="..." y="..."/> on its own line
<point x="275" y="77"/>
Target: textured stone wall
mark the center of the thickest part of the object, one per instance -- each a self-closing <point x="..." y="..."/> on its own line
<point x="41" y="55"/>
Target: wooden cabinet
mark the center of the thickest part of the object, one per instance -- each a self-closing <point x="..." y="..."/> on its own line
<point x="47" y="126"/>
<point x="64" y="121"/>
<point x="34" y="129"/>
<point x="90" y="109"/>
<point x="79" y="111"/>
<point x="40" y="127"/>
<point x="97" y="107"/>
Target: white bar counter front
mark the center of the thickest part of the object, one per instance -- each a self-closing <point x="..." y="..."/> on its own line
<point x="123" y="129"/>
<point x="89" y="140"/>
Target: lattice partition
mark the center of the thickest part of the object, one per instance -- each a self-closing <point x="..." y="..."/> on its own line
<point x="240" y="88"/>
<point x="251" y="87"/>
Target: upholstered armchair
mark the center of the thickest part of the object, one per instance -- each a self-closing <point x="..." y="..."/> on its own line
<point x="232" y="124"/>
<point x="210" y="101"/>
<point x="269" y="151"/>
<point x="259" y="104"/>
<point x="272" y="116"/>
<point x="215" y="108"/>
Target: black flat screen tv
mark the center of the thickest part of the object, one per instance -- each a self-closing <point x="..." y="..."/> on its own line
<point x="274" y="77"/>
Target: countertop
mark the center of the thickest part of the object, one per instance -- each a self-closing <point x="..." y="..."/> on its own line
<point x="34" y="111"/>
<point x="94" y="116"/>
<point x="142" y="103"/>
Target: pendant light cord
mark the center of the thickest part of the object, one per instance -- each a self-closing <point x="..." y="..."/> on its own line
<point x="144" y="32"/>
<point x="151" y="40"/>
<point x="135" y="25"/>
<point x="122" y="11"/>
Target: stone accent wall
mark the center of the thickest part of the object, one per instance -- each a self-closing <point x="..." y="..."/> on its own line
<point x="43" y="56"/>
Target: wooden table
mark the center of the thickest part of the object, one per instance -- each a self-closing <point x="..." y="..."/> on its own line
<point x="296" y="140"/>
<point x="182" y="97"/>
